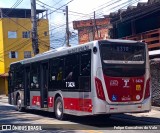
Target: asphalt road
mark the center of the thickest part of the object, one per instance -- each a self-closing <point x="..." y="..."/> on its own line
<point x="37" y="120"/>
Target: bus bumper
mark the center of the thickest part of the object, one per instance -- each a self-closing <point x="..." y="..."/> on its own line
<point x="145" y="106"/>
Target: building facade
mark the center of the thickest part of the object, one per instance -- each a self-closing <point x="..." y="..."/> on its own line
<point x="16" y="40"/>
<point x="141" y="22"/>
<point x="89" y="30"/>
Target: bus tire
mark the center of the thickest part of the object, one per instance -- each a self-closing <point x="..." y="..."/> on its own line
<point x="59" y="108"/>
<point x="103" y="117"/>
<point x="19" y="104"/>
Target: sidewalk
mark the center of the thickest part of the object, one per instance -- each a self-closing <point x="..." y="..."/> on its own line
<point x="4" y="98"/>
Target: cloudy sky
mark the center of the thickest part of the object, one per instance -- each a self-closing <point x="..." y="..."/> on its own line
<point x="78" y="10"/>
<point x="84" y="8"/>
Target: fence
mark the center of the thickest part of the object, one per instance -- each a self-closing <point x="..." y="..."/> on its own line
<point x="152" y="38"/>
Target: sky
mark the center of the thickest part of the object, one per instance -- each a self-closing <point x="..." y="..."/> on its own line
<point x="78" y="10"/>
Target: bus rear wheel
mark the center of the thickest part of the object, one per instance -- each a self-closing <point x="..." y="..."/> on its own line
<point x="59" y="108"/>
<point x="19" y="105"/>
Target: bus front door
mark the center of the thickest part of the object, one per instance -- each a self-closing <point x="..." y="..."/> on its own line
<point x="27" y="86"/>
<point x="44" y="85"/>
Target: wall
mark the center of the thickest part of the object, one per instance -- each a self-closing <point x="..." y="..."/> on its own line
<point x="19" y="44"/>
<point x="2" y="86"/>
<point x="86" y="31"/>
<point x="1" y="49"/>
<point x="155" y="82"/>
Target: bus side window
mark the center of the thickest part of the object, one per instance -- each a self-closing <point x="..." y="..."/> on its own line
<point x="86" y="64"/>
<point x="56" y="70"/>
<point x="10" y="82"/>
<point x="72" y="71"/>
<point x="19" y="78"/>
<point x="34" y="76"/>
<point x="85" y="71"/>
<point x="11" y="78"/>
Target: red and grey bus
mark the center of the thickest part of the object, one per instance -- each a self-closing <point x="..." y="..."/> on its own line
<point x="100" y="77"/>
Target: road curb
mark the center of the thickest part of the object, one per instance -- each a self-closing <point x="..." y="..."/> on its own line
<point x="3" y="99"/>
<point x="156" y="108"/>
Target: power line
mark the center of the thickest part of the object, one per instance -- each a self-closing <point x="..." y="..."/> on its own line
<point x="58" y="2"/>
<point x="116" y="6"/>
<point x="18" y="28"/>
<point x="18" y="47"/>
<point x="108" y="5"/>
<point x="123" y="5"/>
<point x="7" y="50"/>
<point x="130" y="16"/>
<point x="98" y="9"/>
<point x="60" y="7"/>
<point x="15" y="21"/>
<point x="63" y="25"/>
<point x="17" y="3"/>
<point x="44" y="4"/>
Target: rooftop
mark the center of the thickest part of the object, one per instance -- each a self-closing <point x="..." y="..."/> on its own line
<point x="18" y="12"/>
<point x="131" y="12"/>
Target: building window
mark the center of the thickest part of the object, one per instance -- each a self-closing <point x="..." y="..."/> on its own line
<point x="45" y="33"/>
<point x="27" y="54"/>
<point x="26" y="34"/>
<point x="12" y="34"/>
<point x="13" y="54"/>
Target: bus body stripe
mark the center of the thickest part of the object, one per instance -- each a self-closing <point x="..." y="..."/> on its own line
<point x="77" y="104"/>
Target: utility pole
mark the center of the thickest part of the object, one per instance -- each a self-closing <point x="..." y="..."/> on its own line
<point x="67" y="28"/>
<point x="95" y="27"/>
<point x="34" y="28"/>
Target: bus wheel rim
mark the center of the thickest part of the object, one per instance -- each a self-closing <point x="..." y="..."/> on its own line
<point x="59" y="108"/>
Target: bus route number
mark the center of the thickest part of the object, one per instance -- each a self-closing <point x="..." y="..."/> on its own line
<point x="122" y="49"/>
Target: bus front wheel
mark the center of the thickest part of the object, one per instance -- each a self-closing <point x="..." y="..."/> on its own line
<point x="59" y="108"/>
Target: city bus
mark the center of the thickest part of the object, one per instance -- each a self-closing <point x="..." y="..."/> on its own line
<point x="101" y="77"/>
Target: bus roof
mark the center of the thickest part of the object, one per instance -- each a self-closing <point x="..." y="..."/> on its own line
<point x="58" y="51"/>
<point x="61" y="51"/>
<point x="120" y="41"/>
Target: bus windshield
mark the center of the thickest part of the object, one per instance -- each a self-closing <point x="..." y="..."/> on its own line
<point x="123" y="53"/>
<point x="123" y="60"/>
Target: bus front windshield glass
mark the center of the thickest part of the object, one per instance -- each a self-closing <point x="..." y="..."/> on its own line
<point x="124" y="60"/>
<point x="123" y="53"/>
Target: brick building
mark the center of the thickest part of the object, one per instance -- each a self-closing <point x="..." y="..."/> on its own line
<point x="89" y="30"/>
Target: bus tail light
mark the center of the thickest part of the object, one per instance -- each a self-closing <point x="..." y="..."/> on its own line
<point x="99" y="89"/>
<point x="147" y="91"/>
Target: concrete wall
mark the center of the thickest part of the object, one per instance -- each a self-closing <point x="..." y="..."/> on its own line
<point x="2" y="85"/>
<point x="155" y="82"/>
